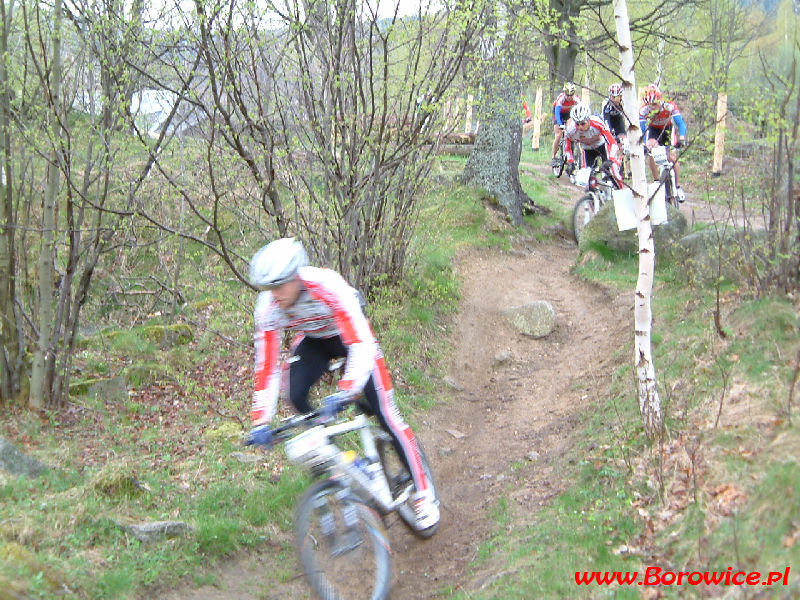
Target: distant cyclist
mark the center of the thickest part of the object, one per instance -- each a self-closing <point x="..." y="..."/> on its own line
<point x="658" y="118"/>
<point x="595" y="140"/>
<point x="325" y="314"/>
<point x="614" y="113"/>
<point x="614" y="116"/>
<point x="561" y="108"/>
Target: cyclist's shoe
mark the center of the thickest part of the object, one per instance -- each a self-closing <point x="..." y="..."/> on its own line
<point x="555" y="162"/>
<point x="427" y="511"/>
<point x="680" y="195"/>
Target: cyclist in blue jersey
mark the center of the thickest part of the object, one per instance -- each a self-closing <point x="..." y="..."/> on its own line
<point x="561" y="107"/>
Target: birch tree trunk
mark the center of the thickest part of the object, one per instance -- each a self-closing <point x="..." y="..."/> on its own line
<point x="649" y="403"/>
<point x="43" y="352"/>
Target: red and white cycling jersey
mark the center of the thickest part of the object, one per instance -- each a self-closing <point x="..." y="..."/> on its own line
<point x="598" y="134"/>
<point x="566" y="101"/>
<point x="326" y="307"/>
<point x="660" y="115"/>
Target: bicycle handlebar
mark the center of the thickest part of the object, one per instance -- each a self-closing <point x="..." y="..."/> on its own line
<point x="282" y="433"/>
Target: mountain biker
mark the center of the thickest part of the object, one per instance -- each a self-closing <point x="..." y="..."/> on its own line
<point x="595" y="139"/>
<point x="561" y="108"/>
<point x="325" y="313"/>
<point x="657" y="118"/>
<point x="614" y="113"/>
<point x="614" y="117"/>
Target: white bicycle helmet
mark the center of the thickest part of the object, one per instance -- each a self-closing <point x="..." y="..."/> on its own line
<point x="615" y="89"/>
<point x="569" y="88"/>
<point x="580" y="113"/>
<point x="276" y="263"/>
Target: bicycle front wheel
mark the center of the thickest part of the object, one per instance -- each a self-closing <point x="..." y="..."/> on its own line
<point x="581" y="215"/>
<point x="669" y="188"/>
<point x="559" y="161"/>
<point x="343" y="547"/>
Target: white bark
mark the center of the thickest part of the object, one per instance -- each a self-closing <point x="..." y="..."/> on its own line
<point x="649" y="403"/>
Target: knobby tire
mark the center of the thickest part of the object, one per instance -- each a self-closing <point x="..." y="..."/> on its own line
<point x="350" y="563"/>
<point x="558" y="169"/>
<point x="669" y="189"/>
<point x="581" y="215"/>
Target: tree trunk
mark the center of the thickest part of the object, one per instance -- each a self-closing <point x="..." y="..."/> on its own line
<point x="43" y="354"/>
<point x="561" y="48"/>
<point x="9" y="331"/>
<point x="649" y="403"/>
<point x="494" y="162"/>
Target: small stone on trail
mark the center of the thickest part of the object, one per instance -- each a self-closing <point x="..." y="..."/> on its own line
<point x="502" y="357"/>
<point x="453" y="384"/>
<point x="455" y="433"/>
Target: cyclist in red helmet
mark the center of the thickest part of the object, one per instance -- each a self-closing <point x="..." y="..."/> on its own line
<point x="656" y="118"/>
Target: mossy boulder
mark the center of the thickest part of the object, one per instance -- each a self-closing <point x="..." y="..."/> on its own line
<point x="169" y="335"/>
<point x="535" y="319"/>
<point x="15" y="462"/>
<point x="23" y="559"/>
<point x="603" y="229"/>
<point x="225" y="432"/>
<point x="704" y="256"/>
<point x="116" y="480"/>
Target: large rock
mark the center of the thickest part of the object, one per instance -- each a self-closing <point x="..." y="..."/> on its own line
<point x="602" y="229"/>
<point x="703" y="256"/>
<point x="148" y="533"/>
<point x="536" y="319"/>
<point x="17" y="463"/>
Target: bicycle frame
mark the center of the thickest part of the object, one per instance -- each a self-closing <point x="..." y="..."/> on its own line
<point x="315" y="449"/>
<point x="599" y="187"/>
<point x="666" y="171"/>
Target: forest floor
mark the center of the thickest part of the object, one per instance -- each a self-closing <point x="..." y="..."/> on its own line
<point x="512" y="400"/>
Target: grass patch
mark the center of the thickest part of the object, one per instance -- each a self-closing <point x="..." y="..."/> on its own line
<point x="582" y="530"/>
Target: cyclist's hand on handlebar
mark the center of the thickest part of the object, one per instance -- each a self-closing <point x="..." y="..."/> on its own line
<point x="261" y="436"/>
<point x="680" y="143"/>
<point x="333" y="405"/>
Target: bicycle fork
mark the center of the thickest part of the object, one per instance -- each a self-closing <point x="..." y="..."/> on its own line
<point x="350" y="538"/>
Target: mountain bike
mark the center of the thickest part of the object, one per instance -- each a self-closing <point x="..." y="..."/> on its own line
<point x="560" y="159"/>
<point x="599" y="187"/>
<point x="666" y="172"/>
<point x="339" y="526"/>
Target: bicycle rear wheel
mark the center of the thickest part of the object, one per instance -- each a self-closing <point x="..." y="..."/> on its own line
<point x="560" y="160"/>
<point x="342" y="545"/>
<point x="581" y="215"/>
<point x="400" y="481"/>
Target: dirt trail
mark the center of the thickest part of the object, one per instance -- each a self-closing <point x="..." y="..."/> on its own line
<point x="512" y="400"/>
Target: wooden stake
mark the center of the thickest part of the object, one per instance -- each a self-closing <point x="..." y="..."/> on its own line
<point x="719" y="134"/>
<point x="537" y="119"/>
<point x="468" y="121"/>
<point x="585" y="95"/>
